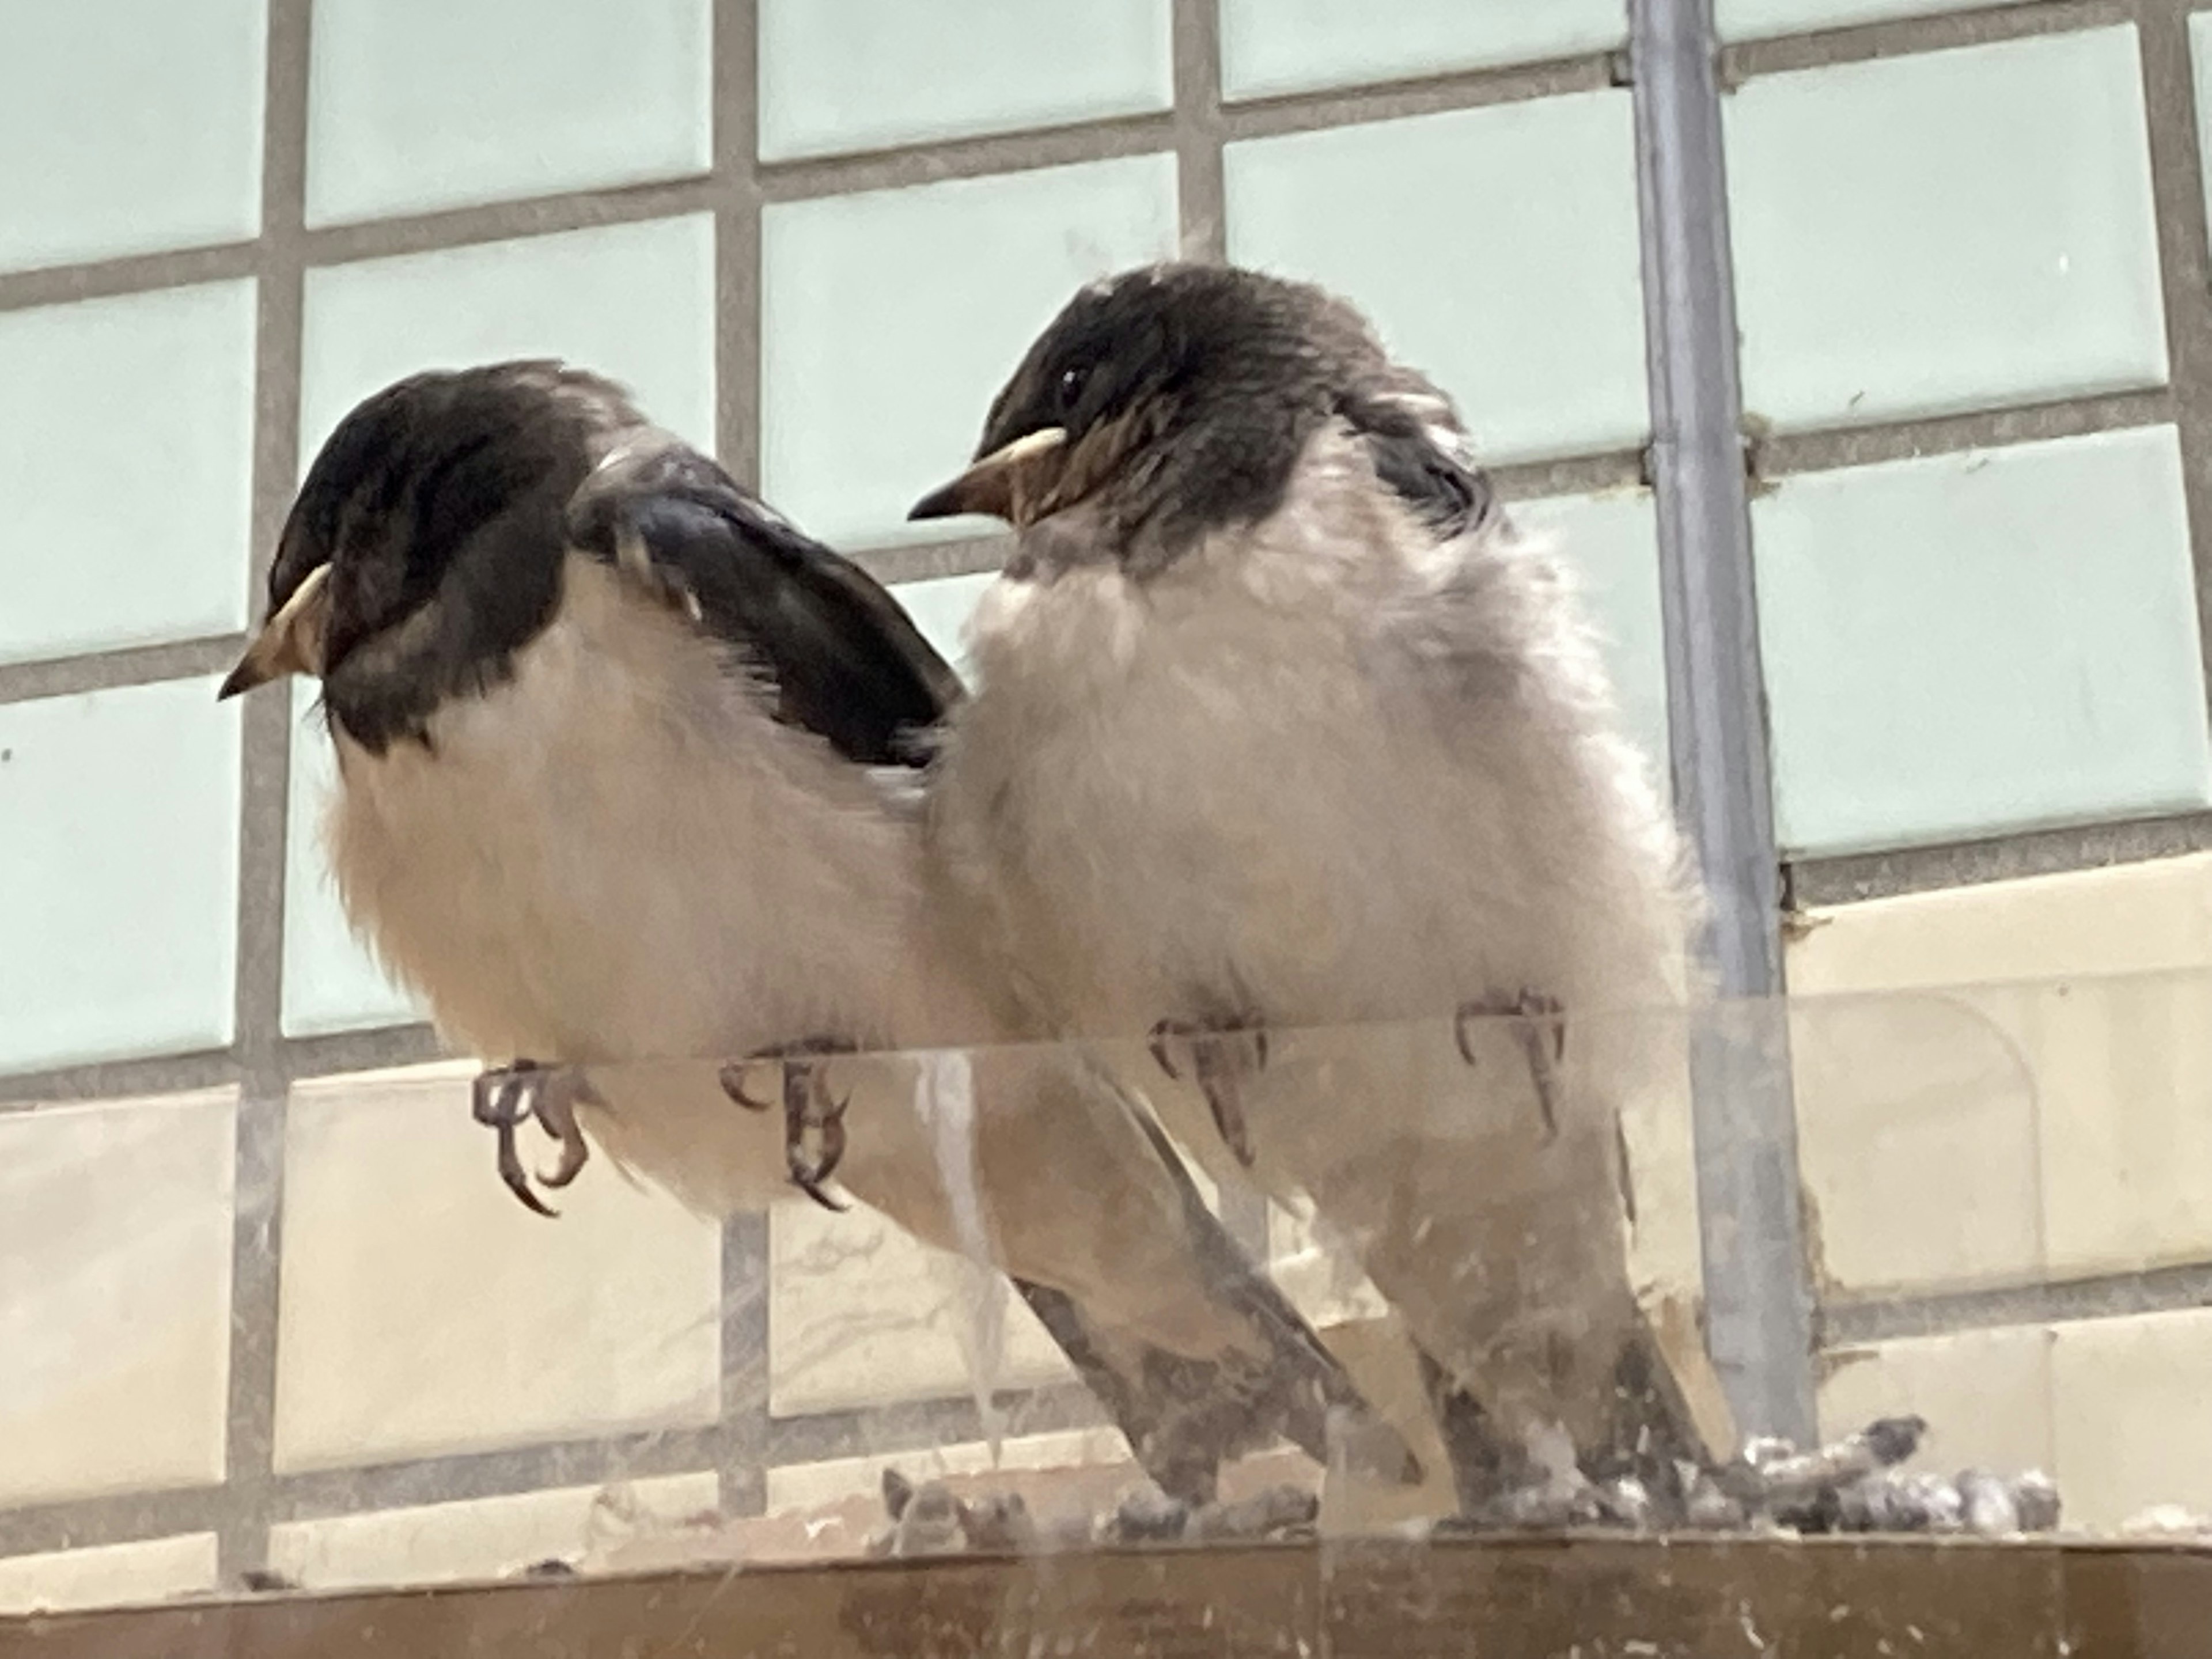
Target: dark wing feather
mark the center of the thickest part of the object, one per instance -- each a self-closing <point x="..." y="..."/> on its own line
<point x="1436" y="479"/>
<point x="844" y="661"/>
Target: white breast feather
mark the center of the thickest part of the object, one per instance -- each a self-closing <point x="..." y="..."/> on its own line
<point x="1327" y="769"/>
<point x="617" y="857"/>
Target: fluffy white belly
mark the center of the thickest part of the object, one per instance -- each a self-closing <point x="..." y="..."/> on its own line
<point x="1216" y="811"/>
<point x="616" y="855"/>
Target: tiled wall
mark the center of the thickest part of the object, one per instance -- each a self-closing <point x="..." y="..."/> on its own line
<point x="1976" y="356"/>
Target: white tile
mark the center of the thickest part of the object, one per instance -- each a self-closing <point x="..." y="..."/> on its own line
<point x="482" y="1538"/>
<point x="157" y="547"/>
<point x="1945" y="231"/>
<point x="2091" y="1130"/>
<point x="1917" y="1133"/>
<point x="128" y="127"/>
<point x="1746" y="20"/>
<point x="333" y="981"/>
<point x="635" y="302"/>
<point x="852" y="75"/>
<point x="109" y="1576"/>
<point x="1270" y="47"/>
<point x="119" y="874"/>
<point x="914" y="306"/>
<point x="2127" y="1406"/>
<point x="115" y="1242"/>
<point x="1525" y="304"/>
<point x="416" y="105"/>
<point x="425" y="1311"/>
<point x="1966" y="644"/>
<point x="861" y="1313"/>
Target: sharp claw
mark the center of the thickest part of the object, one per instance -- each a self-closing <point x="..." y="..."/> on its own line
<point x="1228" y="1119"/>
<point x="801" y="1088"/>
<point x="830" y="1127"/>
<point x="1218" y="1081"/>
<point x="503" y="1097"/>
<point x="1161" y="1032"/>
<point x="575" y="1153"/>
<point x="732" y="1077"/>
<point x="556" y="1111"/>
<point x="1216" y="1074"/>
<point x="516" y="1177"/>
<point x="1460" y="1023"/>
<point x="1540" y="1028"/>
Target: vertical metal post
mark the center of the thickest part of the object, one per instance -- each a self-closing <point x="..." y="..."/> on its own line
<point x="1757" y="1303"/>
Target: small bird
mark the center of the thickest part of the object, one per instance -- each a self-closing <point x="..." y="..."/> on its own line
<point x="620" y="760"/>
<point x="1282" y="726"/>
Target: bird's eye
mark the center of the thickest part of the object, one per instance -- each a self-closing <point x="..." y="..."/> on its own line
<point x="1070" y="388"/>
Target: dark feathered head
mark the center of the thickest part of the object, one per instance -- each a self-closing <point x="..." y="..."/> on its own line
<point x="425" y="546"/>
<point x="1176" y="400"/>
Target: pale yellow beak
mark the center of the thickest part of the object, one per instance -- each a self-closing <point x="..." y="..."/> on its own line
<point x="290" y="642"/>
<point x="1010" y="482"/>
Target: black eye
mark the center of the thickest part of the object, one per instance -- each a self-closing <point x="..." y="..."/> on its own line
<point x="1069" y="388"/>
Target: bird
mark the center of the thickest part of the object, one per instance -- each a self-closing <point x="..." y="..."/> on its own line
<point x="626" y="793"/>
<point x="1293" y="758"/>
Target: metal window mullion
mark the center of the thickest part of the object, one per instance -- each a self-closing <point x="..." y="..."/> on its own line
<point x="1758" y="1308"/>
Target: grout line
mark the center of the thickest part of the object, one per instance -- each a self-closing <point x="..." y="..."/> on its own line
<point x="466" y="1477"/>
<point x="243" y="1535"/>
<point x="506" y="220"/>
<point x="378" y="1049"/>
<point x="136" y="273"/>
<point x="737" y="244"/>
<point x="2184" y="266"/>
<point x="103" y="670"/>
<point x="915" y="1426"/>
<point x="124" y="1517"/>
<point x="1023" y="150"/>
<point x="2113" y="1296"/>
<point x="817" y="177"/>
<point x="1573" y="475"/>
<point x="920" y="1426"/>
<point x="1480" y="88"/>
<point x="745" y="1430"/>
<point x="1201" y="200"/>
<point x="1852" y="878"/>
<point x="1774" y="457"/>
<point x="921" y="561"/>
<point x="119" y="1080"/>
<point x="1742" y="60"/>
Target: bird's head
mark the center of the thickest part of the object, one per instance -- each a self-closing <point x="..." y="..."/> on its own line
<point x="425" y="546"/>
<point x="1169" y="401"/>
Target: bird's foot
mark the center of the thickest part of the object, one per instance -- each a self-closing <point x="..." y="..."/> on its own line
<point x="504" y="1097"/>
<point x="810" y="1113"/>
<point x="1221" y="1051"/>
<point x="1542" y="1034"/>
